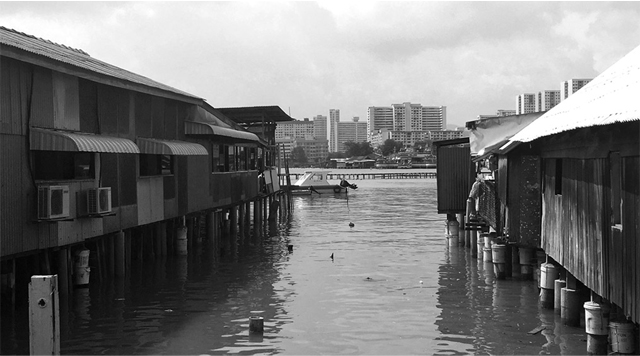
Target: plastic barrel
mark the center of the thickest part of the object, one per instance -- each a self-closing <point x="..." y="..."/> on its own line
<point x="498" y="253"/>
<point x="82" y="258"/>
<point x="548" y="276"/>
<point x="596" y="318"/>
<point x="181" y="244"/>
<point x="622" y="337"/>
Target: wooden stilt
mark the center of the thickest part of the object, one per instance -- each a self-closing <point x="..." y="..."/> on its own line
<point x="119" y="254"/>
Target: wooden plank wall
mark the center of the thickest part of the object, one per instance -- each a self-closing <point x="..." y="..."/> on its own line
<point x="631" y="235"/>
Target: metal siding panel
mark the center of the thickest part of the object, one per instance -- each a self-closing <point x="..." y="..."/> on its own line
<point x="13" y="212"/>
<point x="454" y="178"/>
<point x="157" y="198"/>
<point x="144" y="201"/>
<point x="42" y="98"/>
<point x="66" y="106"/>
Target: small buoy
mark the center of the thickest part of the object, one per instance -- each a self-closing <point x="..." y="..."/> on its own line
<point x="351" y="224"/>
<point x="420" y="282"/>
<point x="290" y="247"/>
<point x="332" y="256"/>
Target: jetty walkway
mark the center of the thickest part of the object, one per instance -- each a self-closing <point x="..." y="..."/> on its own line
<point x="358" y="176"/>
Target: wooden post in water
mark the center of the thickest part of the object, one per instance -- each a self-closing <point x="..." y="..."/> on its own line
<point x="257" y="217"/>
<point x="119" y="258"/>
<point x="233" y="218"/>
<point x="44" y="316"/>
<point x="63" y="270"/>
<point x="241" y="214"/>
<point x="247" y="218"/>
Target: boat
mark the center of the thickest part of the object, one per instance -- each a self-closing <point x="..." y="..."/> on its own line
<point x="315" y="182"/>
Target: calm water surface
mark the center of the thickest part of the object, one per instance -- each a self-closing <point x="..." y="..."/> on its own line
<point x="393" y="287"/>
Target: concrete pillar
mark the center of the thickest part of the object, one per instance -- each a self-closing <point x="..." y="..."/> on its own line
<point x="557" y="295"/>
<point x="570" y="307"/>
<point x="461" y="229"/>
<point x="44" y="316"/>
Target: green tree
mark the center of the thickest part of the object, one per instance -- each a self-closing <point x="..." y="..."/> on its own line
<point x="298" y="156"/>
<point x="390" y="146"/>
<point x="355" y="149"/>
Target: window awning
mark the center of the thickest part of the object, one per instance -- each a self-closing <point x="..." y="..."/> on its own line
<point x="164" y="147"/>
<point x="52" y="140"/>
<point x="203" y="128"/>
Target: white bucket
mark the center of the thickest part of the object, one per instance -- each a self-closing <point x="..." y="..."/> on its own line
<point x="622" y="337"/>
<point x="548" y="275"/>
<point x="498" y="253"/>
<point x="82" y="258"/>
<point x="596" y="318"/>
<point x="81" y="276"/>
<point x="181" y="243"/>
<point x="453" y="226"/>
<point x="486" y="254"/>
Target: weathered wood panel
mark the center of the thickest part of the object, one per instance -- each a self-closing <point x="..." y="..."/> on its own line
<point x="631" y="235"/>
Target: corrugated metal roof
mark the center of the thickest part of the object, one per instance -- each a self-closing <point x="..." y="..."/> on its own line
<point x="611" y="97"/>
<point x="203" y="128"/>
<point x="51" y="140"/>
<point x="77" y="58"/>
<point x="164" y="147"/>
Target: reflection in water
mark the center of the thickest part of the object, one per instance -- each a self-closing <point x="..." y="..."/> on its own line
<point x="393" y="287"/>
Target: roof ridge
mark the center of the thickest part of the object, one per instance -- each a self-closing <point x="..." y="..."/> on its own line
<point x="45" y="40"/>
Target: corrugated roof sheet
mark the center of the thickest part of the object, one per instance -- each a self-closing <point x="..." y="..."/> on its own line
<point x="164" y="147"/>
<point x="77" y="58"/>
<point x="203" y="128"/>
<point x="51" y="140"/>
<point x="611" y="97"/>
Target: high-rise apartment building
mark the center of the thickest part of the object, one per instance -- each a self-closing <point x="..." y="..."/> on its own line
<point x="320" y="127"/>
<point x="353" y="131"/>
<point x="334" y="119"/>
<point x="295" y="128"/>
<point x="378" y="118"/>
<point x="405" y="122"/>
<point x="434" y="118"/>
<point x="547" y="99"/>
<point x="571" y="86"/>
<point x="525" y="103"/>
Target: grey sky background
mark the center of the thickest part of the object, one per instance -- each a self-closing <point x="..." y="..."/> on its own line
<point x="309" y="57"/>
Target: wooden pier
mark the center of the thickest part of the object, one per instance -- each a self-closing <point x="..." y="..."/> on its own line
<point x="387" y="175"/>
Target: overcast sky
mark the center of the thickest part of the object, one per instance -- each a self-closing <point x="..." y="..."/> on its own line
<point x="309" y="57"/>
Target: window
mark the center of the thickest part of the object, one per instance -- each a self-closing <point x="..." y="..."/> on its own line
<point x="219" y="158"/>
<point x="558" y="186"/>
<point x="59" y="165"/>
<point x="155" y="165"/>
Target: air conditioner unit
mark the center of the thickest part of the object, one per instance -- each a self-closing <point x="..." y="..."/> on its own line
<point x="99" y="200"/>
<point x="53" y="202"/>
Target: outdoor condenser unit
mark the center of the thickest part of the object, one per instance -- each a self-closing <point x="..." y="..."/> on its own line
<point x="53" y="202"/>
<point x="99" y="200"/>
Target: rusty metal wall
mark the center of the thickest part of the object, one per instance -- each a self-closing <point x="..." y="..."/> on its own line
<point x="455" y="176"/>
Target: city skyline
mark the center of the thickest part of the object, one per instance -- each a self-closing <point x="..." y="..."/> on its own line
<point x="346" y="55"/>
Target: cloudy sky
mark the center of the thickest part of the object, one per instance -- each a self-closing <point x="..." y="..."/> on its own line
<point x="309" y="57"/>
